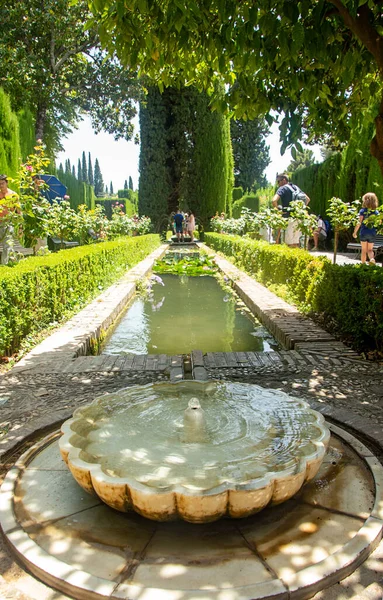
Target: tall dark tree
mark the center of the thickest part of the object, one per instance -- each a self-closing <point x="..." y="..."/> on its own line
<point x="98" y="180"/>
<point x="68" y="168"/>
<point x="111" y="188"/>
<point x="79" y="170"/>
<point x="130" y="183"/>
<point x="185" y="155"/>
<point x="73" y="171"/>
<point x="251" y="154"/>
<point x="90" y="170"/>
<point x="84" y="169"/>
<point x="61" y="168"/>
<point x="125" y="184"/>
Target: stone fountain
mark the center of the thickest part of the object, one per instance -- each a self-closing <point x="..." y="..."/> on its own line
<point x="194" y="450"/>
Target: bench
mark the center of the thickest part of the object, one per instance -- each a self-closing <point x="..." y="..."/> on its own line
<point x="378" y="246"/>
<point x="55" y="244"/>
<point x="17" y="247"/>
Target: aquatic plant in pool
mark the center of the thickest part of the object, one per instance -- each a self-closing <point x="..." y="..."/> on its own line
<point x="191" y="263"/>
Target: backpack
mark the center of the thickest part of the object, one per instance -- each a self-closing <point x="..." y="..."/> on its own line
<point x="327" y="226"/>
<point x="297" y="193"/>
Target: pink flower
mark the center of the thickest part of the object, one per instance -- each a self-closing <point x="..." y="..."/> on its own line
<point x="39" y="141"/>
<point x="29" y="168"/>
<point x="66" y="197"/>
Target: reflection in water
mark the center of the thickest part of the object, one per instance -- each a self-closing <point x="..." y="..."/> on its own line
<point x="188" y="313"/>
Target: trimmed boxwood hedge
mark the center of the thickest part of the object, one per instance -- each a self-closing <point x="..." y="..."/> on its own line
<point x="44" y="289"/>
<point x="349" y="296"/>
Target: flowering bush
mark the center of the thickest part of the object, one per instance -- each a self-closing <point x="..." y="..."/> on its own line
<point x="33" y="206"/>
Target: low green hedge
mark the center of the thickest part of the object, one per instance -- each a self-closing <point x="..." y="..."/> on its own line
<point x="349" y="296"/>
<point x="44" y="289"/>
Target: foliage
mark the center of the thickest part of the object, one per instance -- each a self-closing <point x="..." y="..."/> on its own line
<point x="250" y="152"/>
<point x="317" y="62"/>
<point x="185" y="156"/>
<point x="302" y="159"/>
<point x="62" y="220"/>
<point x="9" y="137"/>
<point x="342" y="216"/>
<point x="237" y="193"/>
<point x="79" y="192"/>
<point x="299" y="211"/>
<point x="98" y="180"/>
<point x="347" y="174"/>
<point x="349" y="296"/>
<point x="186" y="264"/>
<point x="42" y="290"/>
<point x="34" y="206"/>
<point x="250" y="201"/>
<point x="54" y="65"/>
<point x="154" y="185"/>
<point x="249" y="222"/>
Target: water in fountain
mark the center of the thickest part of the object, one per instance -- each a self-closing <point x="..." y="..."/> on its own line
<point x="244" y="439"/>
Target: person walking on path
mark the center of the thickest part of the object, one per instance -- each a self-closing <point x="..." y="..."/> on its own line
<point x="283" y="197"/>
<point x="367" y="231"/>
<point x="7" y="206"/>
<point x="178" y="220"/>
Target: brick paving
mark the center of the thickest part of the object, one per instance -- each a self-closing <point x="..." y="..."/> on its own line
<point x="57" y="377"/>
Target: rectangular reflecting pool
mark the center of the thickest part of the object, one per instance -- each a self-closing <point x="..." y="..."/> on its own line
<point x="185" y="314"/>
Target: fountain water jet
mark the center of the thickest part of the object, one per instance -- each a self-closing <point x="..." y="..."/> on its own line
<point x="139" y="449"/>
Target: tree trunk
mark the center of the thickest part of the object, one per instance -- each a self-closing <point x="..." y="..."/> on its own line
<point x="41" y="117"/>
<point x="336" y="236"/>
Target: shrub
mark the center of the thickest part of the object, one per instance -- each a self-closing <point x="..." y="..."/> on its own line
<point x="44" y="289"/>
<point x="350" y="296"/>
<point x="250" y="201"/>
<point x="237" y="193"/>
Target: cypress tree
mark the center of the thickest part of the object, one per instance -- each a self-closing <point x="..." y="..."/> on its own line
<point x="73" y="172"/>
<point x="130" y="183"/>
<point x="111" y="188"/>
<point x="84" y="169"/>
<point x="154" y="183"/>
<point x="9" y="137"/>
<point x="98" y="180"/>
<point x="90" y="170"/>
<point x="79" y="170"/>
<point x="61" y="168"/>
<point x="125" y="185"/>
<point x="68" y="168"/>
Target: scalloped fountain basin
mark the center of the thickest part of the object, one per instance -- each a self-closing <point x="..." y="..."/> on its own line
<point x="153" y="450"/>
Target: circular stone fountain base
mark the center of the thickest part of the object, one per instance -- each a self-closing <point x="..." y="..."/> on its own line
<point x="76" y="544"/>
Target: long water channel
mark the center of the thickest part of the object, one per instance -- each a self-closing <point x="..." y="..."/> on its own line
<point x="185" y="313"/>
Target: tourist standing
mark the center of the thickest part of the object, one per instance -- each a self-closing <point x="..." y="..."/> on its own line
<point x="178" y="221"/>
<point x="191" y="226"/>
<point x="367" y="231"/>
<point x="320" y="234"/>
<point x="282" y="198"/>
<point x="6" y="229"/>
